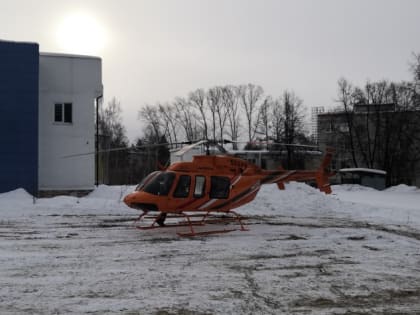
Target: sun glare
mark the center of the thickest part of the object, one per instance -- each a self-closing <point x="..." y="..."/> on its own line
<point x="81" y="33"/>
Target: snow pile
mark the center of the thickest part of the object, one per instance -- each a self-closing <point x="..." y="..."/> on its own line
<point x="398" y="197"/>
<point x="297" y="199"/>
<point x="111" y="192"/>
<point x="17" y="194"/>
<point x="351" y="187"/>
<point x="403" y="189"/>
<point x="353" y="202"/>
<point x="103" y="200"/>
<point x="15" y="200"/>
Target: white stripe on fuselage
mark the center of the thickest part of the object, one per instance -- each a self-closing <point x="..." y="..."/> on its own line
<point x="208" y="203"/>
<point x="280" y="177"/>
<point x="236" y="180"/>
<point x="248" y="194"/>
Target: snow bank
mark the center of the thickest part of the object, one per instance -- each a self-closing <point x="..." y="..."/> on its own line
<point x="298" y="200"/>
<point x="398" y="197"/>
<point x="103" y="200"/>
<point x="396" y="205"/>
<point x="17" y="194"/>
<point x="111" y="192"/>
<point x="15" y="200"/>
<point x="403" y="189"/>
<point x="351" y="187"/>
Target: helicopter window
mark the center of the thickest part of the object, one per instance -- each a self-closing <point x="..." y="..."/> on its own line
<point x="146" y="180"/>
<point x="200" y="184"/>
<point x="219" y="187"/>
<point x="182" y="190"/>
<point x="161" y="184"/>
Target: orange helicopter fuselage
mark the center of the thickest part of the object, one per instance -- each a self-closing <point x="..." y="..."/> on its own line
<point x="212" y="183"/>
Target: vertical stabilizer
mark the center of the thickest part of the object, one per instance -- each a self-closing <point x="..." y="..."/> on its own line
<point x="323" y="174"/>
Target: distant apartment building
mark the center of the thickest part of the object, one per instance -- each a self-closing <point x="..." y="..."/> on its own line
<point x="314" y="121"/>
<point x="373" y="132"/>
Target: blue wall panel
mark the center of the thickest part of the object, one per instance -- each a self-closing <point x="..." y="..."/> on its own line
<point x="19" y="76"/>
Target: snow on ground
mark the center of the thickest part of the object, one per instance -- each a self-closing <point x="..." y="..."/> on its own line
<point x="356" y="251"/>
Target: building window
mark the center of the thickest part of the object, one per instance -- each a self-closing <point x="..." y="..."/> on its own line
<point x="63" y="113"/>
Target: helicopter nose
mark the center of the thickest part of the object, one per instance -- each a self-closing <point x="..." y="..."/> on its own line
<point x="128" y="200"/>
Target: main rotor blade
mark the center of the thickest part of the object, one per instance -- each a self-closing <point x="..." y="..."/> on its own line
<point x="95" y="152"/>
<point x="279" y="144"/>
<point x="187" y="148"/>
<point x="152" y="145"/>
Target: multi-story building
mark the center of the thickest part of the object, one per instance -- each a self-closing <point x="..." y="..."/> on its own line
<point x="47" y="113"/>
<point x="366" y="137"/>
<point x="314" y="121"/>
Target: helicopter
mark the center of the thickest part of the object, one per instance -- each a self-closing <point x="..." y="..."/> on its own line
<point x="209" y="185"/>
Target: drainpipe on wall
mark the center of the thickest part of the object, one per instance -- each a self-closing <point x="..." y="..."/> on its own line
<point x="97" y="140"/>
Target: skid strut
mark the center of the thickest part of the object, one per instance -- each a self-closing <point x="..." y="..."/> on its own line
<point x="182" y="219"/>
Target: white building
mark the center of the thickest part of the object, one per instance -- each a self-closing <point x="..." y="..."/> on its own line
<point x="314" y="121"/>
<point x="69" y="87"/>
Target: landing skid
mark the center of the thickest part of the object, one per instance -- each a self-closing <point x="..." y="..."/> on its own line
<point x="183" y="219"/>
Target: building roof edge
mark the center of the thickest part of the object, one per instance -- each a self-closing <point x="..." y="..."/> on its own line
<point x="48" y="54"/>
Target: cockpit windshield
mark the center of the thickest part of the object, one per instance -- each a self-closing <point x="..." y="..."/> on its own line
<point x="160" y="184"/>
<point x="147" y="179"/>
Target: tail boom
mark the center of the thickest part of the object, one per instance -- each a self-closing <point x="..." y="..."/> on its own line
<point x="320" y="176"/>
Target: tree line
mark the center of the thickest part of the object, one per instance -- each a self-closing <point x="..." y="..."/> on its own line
<point x="226" y="112"/>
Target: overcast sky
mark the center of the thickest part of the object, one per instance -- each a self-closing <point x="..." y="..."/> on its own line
<point x="156" y="50"/>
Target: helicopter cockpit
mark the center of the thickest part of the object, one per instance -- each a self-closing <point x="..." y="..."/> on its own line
<point x="157" y="183"/>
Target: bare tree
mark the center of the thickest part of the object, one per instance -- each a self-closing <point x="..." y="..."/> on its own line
<point x="250" y="96"/>
<point x="168" y="114"/>
<point x="110" y="124"/>
<point x="415" y="69"/>
<point x="219" y="109"/>
<point x="346" y="99"/>
<point x="375" y="95"/>
<point x="198" y="100"/>
<point x="185" y="117"/>
<point x="113" y="136"/>
<point x="230" y="98"/>
<point x="277" y="120"/>
<point x="293" y="116"/>
<point x="151" y="115"/>
<point x="214" y="101"/>
<point x="293" y="112"/>
<point x="263" y="124"/>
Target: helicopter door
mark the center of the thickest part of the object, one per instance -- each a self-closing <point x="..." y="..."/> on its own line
<point x="182" y="189"/>
<point x="181" y="192"/>
<point x="220" y="187"/>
